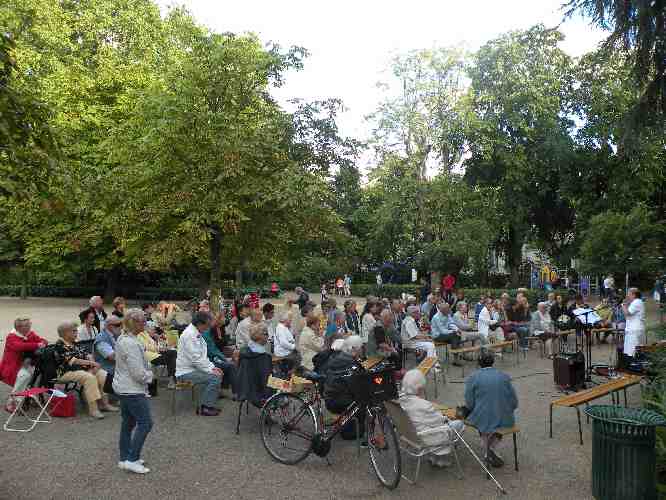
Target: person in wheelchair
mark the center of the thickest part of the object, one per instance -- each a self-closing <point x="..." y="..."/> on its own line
<point x="434" y="428"/>
<point x="336" y="388"/>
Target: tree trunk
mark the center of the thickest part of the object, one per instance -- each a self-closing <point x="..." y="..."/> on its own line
<point x="514" y="254"/>
<point x="112" y="278"/>
<point x="215" y="265"/>
<point x="24" y="282"/>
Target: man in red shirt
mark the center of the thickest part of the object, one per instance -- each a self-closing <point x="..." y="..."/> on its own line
<point x="15" y="369"/>
<point x="448" y="282"/>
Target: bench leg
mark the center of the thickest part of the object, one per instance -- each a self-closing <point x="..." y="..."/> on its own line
<point x="625" y="397"/>
<point x="515" y="452"/>
<point x="551" y="421"/>
<point x="580" y="427"/>
<point x="240" y="410"/>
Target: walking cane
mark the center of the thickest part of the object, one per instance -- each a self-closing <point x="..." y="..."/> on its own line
<point x="483" y="466"/>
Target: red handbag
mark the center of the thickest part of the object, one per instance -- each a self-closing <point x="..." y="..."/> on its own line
<point x="63" y="407"/>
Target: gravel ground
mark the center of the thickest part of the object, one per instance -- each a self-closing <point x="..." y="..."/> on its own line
<point x="202" y="458"/>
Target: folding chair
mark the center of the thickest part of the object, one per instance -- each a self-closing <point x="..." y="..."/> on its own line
<point x="411" y="442"/>
<point x="21" y="408"/>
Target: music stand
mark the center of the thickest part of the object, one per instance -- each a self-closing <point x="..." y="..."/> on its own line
<point x="584" y="325"/>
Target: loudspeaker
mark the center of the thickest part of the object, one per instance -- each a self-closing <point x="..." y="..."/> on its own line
<point x="569" y="370"/>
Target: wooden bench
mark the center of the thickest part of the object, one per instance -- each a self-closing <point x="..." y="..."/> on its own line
<point x="450" y="413"/>
<point x="425" y="367"/>
<point x="372" y="361"/>
<point x="496" y="346"/>
<point x="584" y="397"/>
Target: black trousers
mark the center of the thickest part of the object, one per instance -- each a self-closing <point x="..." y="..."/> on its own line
<point x="167" y="358"/>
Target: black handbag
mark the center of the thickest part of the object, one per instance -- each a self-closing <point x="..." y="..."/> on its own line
<point x="108" y="384"/>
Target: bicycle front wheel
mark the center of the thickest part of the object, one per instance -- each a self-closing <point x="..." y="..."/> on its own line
<point x="384" y="448"/>
<point x="288" y="426"/>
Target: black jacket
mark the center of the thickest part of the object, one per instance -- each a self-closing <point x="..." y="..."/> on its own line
<point x="337" y="370"/>
<point x="253" y="372"/>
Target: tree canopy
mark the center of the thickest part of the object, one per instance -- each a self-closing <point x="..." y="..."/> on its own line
<point x="137" y="140"/>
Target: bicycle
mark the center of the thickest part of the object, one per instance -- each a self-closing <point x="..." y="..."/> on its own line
<point x="296" y="422"/>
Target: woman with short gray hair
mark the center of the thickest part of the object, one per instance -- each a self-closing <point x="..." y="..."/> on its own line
<point x="130" y="381"/>
<point x="79" y="367"/>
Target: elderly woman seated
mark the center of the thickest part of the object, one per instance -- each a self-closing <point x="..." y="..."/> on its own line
<point x="434" y="428"/>
<point x="541" y="325"/>
<point x="79" y="367"/>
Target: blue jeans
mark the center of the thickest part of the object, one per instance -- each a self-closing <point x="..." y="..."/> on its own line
<point x="523" y="332"/>
<point x="209" y="385"/>
<point x="135" y="416"/>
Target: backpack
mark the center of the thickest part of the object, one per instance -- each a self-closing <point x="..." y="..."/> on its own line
<point x="48" y="360"/>
<point x="320" y="360"/>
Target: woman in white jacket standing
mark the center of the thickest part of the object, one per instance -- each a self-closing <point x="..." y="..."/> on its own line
<point x="131" y="378"/>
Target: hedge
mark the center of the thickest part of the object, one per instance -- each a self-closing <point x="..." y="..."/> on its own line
<point x="471" y="294"/>
<point x="185" y="293"/>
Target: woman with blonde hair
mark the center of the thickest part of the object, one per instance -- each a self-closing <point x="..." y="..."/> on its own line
<point x="130" y="380"/>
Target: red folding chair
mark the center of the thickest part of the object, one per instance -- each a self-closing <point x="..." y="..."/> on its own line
<point x="27" y="397"/>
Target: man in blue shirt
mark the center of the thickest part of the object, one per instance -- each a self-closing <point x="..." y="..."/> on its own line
<point x="105" y="344"/>
<point x="443" y="329"/>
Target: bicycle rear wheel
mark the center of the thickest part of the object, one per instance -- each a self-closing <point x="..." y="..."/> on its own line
<point x="288" y="426"/>
<point x="384" y="449"/>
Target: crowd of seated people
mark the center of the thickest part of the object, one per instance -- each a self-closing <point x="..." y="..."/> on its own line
<point x="214" y="352"/>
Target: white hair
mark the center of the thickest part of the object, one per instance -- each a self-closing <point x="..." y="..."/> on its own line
<point x="284" y="316"/>
<point x="337" y="344"/>
<point x="413" y="382"/>
<point x="542" y="304"/>
<point x="352" y="343"/>
<point x="93" y="299"/>
<point x="411" y="310"/>
<point x="66" y="326"/>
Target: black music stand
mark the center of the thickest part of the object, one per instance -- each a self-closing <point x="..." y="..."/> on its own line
<point x="586" y="342"/>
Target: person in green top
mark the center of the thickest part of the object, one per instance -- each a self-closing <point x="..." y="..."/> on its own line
<point x="218" y="358"/>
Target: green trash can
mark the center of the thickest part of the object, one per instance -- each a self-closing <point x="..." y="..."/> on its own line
<point x="623" y="452"/>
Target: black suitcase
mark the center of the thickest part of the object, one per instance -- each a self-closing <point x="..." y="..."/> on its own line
<point x="569" y="370"/>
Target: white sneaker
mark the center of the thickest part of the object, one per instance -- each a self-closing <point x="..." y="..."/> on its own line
<point x="136" y="467"/>
<point x="121" y="465"/>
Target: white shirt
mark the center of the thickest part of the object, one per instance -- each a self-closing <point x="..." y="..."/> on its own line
<point x="367" y="325"/>
<point x="607" y="283"/>
<point x="409" y="330"/>
<point x="485" y="320"/>
<point x="283" y="343"/>
<point x="243" y="333"/>
<point x="636" y="316"/>
<point x="84" y="334"/>
<point x="192" y="353"/>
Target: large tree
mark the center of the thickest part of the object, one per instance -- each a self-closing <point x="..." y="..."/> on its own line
<point x="519" y="137"/>
<point x="216" y="171"/>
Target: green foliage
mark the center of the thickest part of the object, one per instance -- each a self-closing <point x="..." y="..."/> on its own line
<point x="623" y="242"/>
<point x="638" y="29"/>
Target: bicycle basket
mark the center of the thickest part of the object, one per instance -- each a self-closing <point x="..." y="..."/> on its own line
<point x="370" y="388"/>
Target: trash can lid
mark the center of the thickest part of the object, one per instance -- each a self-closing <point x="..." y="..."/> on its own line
<point x="627" y="416"/>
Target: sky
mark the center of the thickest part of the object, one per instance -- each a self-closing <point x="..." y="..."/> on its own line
<point x="351" y="43"/>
